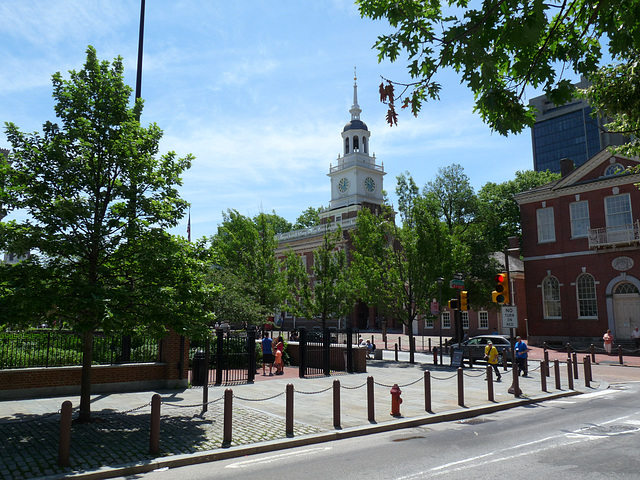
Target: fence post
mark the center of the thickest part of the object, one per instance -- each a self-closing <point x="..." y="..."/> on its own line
<point x="489" y="379"/>
<point x="302" y="364"/>
<point x="154" y="434"/>
<point x="349" y="350"/>
<point x="556" y="371"/>
<point x="593" y="353"/>
<point x="228" y="418"/>
<point x="251" y="347"/>
<point x="427" y="391"/>
<point x="396" y="348"/>
<point x="620" y="354"/>
<point x="575" y="365"/>
<point x="399" y="343"/>
<point x="460" y="387"/>
<point x="336" y="404"/>
<point x="64" y="444"/>
<point x="289" y="411"/>
<point x="205" y="387"/>
<point x="370" y="400"/>
<point x="544" y="371"/>
<point x="326" y="352"/>
<point x="570" y="373"/>
<point x="568" y="350"/>
<point x="546" y="360"/>
<point x="586" y="372"/>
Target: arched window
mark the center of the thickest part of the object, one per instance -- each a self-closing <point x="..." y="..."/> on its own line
<point x="346" y="145"/>
<point x="356" y="147"/>
<point x="626" y="287"/>
<point x="613" y="169"/>
<point x="364" y="145"/>
<point x="551" y="297"/>
<point x="587" y="303"/>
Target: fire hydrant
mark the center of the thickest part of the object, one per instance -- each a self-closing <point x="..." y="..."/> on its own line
<point x="395" y="400"/>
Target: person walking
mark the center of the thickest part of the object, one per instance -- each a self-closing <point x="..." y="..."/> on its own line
<point x="267" y="354"/>
<point x="635" y="334"/>
<point x="491" y="356"/>
<point x="279" y="354"/>
<point x="521" y="350"/>
<point x="608" y="342"/>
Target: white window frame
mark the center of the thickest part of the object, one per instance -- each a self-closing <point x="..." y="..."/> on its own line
<point x="483" y="320"/>
<point x="587" y="298"/>
<point x="446" y="320"/>
<point x="579" y="214"/>
<point x="551" y="301"/>
<point x="546" y="225"/>
<point x="612" y="220"/>
<point x="428" y="322"/>
<point x="465" y="320"/>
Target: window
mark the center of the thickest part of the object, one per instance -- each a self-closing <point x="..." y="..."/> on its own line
<point x="446" y="320"/>
<point x="364" y="145"/>
<point x="618" y="210"/>
<point x="586" y="289"/>
<point x="551" y="297"/>
<point x="613" y="169"/>
<point x="346" y="145"/>
<point x="483" y="320"/>
<point x="579" y="212"/>
<point x="428" y="323"/>
<point x="356" y="146"/>
<point x="465" y="320"/>
<point x="546" y="228"/>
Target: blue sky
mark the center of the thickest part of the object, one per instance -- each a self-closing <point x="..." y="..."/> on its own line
<point x="258" y="91"/>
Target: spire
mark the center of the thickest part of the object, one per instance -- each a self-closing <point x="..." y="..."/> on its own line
<point x="355" y="108"/>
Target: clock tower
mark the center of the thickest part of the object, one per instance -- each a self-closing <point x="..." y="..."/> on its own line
<point x="356" y="180"/>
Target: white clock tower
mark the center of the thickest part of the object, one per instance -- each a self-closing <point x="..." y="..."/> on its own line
<point x="356" y="179"/>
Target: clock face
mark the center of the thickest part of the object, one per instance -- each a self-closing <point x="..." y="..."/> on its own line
<point x="343" y="185"/>
<point x="369" y="184"/>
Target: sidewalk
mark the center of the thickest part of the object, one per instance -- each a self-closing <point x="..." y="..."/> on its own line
<point x="117" y="442"/>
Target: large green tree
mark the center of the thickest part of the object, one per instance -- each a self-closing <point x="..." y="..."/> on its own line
<point x="94" y="201"/>
<point x="499" y="47"/>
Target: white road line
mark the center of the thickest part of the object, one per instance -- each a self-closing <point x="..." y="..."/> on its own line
<point x="275" y="458"/>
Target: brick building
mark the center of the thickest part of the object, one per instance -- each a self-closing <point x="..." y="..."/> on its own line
<point x="581" y="242"/>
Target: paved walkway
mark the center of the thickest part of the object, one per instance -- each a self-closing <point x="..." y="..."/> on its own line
<point x="117" y="441"/>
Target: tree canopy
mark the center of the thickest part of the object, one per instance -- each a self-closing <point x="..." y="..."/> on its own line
<point x="499" y="47"/>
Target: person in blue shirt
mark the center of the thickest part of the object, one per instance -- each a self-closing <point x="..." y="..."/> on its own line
<point x="267" y="354"/>
<point x="521" y="350"/>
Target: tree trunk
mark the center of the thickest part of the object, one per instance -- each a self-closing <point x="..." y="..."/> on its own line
<point x="85" y="386"/>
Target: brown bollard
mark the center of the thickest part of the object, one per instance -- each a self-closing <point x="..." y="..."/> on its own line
<point x="514" y="389"/>
<point x="427" y="391"/>
<point x="289" y="411"/>
<point x="399" y="343"/>
<point x="154" y="431"/>
<point x="490" y="395"/>
<point x="556" y="371"/>
<point x="570" y="373"/>
<point x="587" y="380"/>
<point x="460" y="387"/>
<point x="396" y="352"/>
<point x="546" y="360"/>
<point x="569" y="350"/>
<point x="336" y="404"/>
<point x="228" y="418"/>
<point x="593" y="353"/>
<point x="544" y="372"/>
<point x="370" y="400"/>
<point x="620" y="354"/>
<point x="575" y="365"/>
<point x="64" y="443"/>
<point x="505" y="365"/>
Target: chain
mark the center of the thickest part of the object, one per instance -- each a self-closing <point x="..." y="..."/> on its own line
<point x="353" y="388"/>
<point x="312" y="393"/>
<point x="258" y="399"/>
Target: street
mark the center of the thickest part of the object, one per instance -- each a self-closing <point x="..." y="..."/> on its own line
<point x="592" y="436"/>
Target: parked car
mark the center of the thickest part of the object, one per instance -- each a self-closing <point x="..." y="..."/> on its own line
<point x="475" y="346"/>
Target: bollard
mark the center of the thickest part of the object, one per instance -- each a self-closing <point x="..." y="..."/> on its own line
<point x="64" y="444"/>
<point x="289" y="411"/>
<point x="154" y="433"/>
<point x="396" y="352"/>
<point x="570" y="373"/>
<point x="593" y="353"/>
<point x="569" y="350"/>
<point x="490" y="395"/>
<point x="586" y="372"/>
<point x="460" y="387"/>
<point x="546" y="360"/>
<point x="336" y="404"/>
<point x="435" y="355"/>
<point x="514" y="389"/>
<point x="429" y="343"/>
<point x="399" y="343"/>
<point x="228" y="418"/>
<point x="427" y="391"/>
<point x="575" y="365"/>
<point x="620" y="354"/>
<point x="556" y="371"/>
<point x="544" y="372"/>
<point x="370" y="400"/>
<point x="505" y="365"/>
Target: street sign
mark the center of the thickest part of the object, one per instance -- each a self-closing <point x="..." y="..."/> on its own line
<point x="456" y="283"/>
<point x="509" y="316"/>
<point x="435" y="308"/>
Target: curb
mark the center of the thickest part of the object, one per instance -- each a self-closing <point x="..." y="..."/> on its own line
<point x="174" y="461"/>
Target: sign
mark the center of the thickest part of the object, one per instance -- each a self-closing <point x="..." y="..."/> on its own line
<point x="456" y="283"/>
<point x="509" y="316"/>
<point x="457" y="357"/>
<point x="435" y="308"/>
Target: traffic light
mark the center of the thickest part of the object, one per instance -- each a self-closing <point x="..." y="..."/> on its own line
<point x="453" y="304"/>
<point x="464" y="306"/>
<point x="501" y="293"/>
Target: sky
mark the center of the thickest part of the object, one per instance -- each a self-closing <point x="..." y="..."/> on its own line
<point x="258" y="91"/>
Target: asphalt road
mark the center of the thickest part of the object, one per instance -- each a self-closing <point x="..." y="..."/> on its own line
<point x="590" y="436"/>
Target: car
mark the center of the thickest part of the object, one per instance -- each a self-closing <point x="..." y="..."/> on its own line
<point x="475" y="347"/>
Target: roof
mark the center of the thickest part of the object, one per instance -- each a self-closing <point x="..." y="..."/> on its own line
<point x="355" y="125"/>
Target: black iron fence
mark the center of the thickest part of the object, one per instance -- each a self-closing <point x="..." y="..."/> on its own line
<point x="61" y="348"/>
<point x="315" y="351"/>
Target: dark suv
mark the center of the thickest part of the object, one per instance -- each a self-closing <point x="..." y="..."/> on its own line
<point x="475" y="346"/>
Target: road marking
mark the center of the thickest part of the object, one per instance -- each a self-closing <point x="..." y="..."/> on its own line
<point x="275" y="458"/>
<point x="597" y="394"/>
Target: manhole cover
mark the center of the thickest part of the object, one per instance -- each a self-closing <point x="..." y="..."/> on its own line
<point x="610" y="429"/>
<point x="474" y="421"/>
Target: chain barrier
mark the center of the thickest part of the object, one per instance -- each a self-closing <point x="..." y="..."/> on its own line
<point x="194" y="405"/>
<point x="312" y="393"/>
<point x="353" y="388"/>
<point x="258" y="399"/>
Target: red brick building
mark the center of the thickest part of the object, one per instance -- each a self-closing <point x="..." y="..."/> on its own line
<point x="581" y="249"/>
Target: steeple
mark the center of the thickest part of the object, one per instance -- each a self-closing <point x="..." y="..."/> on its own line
<point x="355" y="108"/>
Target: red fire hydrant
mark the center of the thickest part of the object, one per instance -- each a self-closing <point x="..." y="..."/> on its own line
<point x="395" y="400"/>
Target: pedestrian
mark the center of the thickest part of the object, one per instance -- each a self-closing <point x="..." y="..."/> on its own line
<point x="608" y="341"/>
<point x="279" y="354"/>
<point x="267" y="354"/>
<point x="491" y="356"/>
<point x="521" y="350"/>
<point x="635" y="334"/>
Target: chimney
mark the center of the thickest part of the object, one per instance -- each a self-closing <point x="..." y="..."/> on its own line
<point x="566" y="167"/>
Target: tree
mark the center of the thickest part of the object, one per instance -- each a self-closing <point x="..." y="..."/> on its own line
<point x="95" y="263"/>
<point x="324" y="290"/>
<point x="396" y="267"/>
<point x="499" y="47"/>
<point x="457" y="202"/>
<point x="308" y="218"/>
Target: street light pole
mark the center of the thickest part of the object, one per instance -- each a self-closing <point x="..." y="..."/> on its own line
<point x="440" y="280"/>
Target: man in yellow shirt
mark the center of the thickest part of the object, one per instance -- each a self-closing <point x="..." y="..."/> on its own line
<point x="491" y="356"/>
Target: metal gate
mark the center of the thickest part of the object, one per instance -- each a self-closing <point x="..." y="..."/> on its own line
<point x="315" y="351"/>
